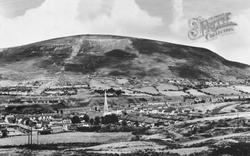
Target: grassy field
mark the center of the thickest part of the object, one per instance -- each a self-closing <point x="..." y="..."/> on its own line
<point x="125" y="147"/>
<point x="163" y="87"/>
<point x="173" y="93"/>
<point x="70" y="137"/>
<point x="148" y="90"/>
<point x="222" y="117"/>
<point x="136" y="146"/>
<point x="220" y="91"/>
<point x="195" y="92"/>
<point x="243" y="88"/>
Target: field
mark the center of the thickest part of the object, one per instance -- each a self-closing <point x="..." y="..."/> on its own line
<point x="69" y="137"/>
<point x="245" y="115"/>
<point x="149" y="90"/>
<point x="244" y="107"/>
<point x="125" y="147"/>
<point x="164" y="87"/>
<point x="220" y="91"/>
<point x="245" y="134"/>
<point x="243" y="88"/>
<point x="133" y="147"/>
<point x="173" y="93"/>
<point x="203" y="107"/>
<point x="230" y="108"/>
<point x="195" y="92"/>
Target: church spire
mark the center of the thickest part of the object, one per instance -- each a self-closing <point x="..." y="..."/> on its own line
<point x="106" y="107"/>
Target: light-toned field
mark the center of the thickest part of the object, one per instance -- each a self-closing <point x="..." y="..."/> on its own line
<point x="125" y="147"/>
<point x="228" y="136"/>
<point x="149" y="90"/>
<point x="98" y="84"/>
<point x="187" y="151"/>
<point x="220" y="91"/>
<point x="4" y="83"/>
<point x="195" y="92"/>
<point x="243" y="88"/>
<point x="70" y="137"/>
<point x="211" y="106"/>
<point x="24" y="152"/>
<point x="165" y="87"/>
<point x="135" y="146"/>
<point x="230" y="108"/>
<point x="81" y="93"/>
<point x="221" y="116"/>
<point x="174" y="93"/>
<point x="223" y="107"/>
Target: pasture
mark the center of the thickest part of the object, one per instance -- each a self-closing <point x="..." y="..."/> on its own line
<point x="220" y="91"/>
<point x="69" y="137"/>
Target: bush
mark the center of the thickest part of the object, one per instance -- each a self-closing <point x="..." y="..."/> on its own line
<point x="75" y="119"/>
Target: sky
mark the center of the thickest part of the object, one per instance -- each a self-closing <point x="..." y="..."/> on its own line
<point x="28" y="21"/>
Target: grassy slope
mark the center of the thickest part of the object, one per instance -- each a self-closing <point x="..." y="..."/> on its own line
<point x="116" y="56"/>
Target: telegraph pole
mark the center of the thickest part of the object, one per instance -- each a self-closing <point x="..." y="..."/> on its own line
<point x="31" y="136"/>
<point x="237" y="119"/>
<point x="37" y="138"/>
<point x="28" y="138"/>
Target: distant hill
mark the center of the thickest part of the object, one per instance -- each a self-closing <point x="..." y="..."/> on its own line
<point x="106" y="55"/>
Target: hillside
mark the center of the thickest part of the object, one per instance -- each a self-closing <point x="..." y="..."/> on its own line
<point x="105" y="55"/>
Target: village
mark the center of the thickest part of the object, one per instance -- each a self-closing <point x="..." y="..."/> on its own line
<point x="178" y="111"/>
<point x="170" y="99"/>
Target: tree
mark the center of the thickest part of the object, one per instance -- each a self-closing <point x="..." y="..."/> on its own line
<point x="110" y="119"/>
<point x="91" y="121"/>
<point x="97" y="120"/>
<point x="111" y="90"/>
<point x="113" y="118"/>
<point x="86" y="118"/>
<point x="75" y="119"/>
<point x="119" y="92"/>
<point x="102" y="120"/>
<point x="136" y="123"/>
<point x="27" y="122"/>
<point x="124" y="123"/>
<point x="4" y="133"/>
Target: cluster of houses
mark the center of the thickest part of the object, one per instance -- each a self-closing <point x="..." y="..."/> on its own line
<point x="16" y="90"/>
<point x="31" y="88"/>
<point x="50" y="123"/>
<point x="198" y="83"/>
<point x="36" y="100"/>
<point x="59" y="91"/>
<point x="64" y="90"/>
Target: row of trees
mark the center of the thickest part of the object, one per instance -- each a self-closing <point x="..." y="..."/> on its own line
<point x="111" y="91"/>
<point x="108" y="119"/>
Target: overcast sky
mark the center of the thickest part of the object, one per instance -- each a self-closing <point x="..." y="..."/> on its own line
<point x="27" y="21"/>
